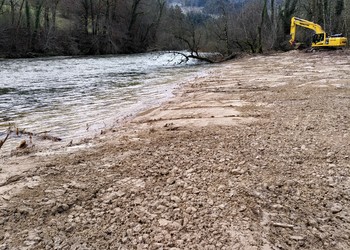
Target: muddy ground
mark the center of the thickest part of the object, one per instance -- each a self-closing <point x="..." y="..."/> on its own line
<point x="253" y="156"/>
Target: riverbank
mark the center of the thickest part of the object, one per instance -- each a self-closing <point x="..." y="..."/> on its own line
<point x="40" y="99"/>
<point x="253" y="156"/>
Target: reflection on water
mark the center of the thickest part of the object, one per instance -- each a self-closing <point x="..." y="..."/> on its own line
<point x="65" y="95"/>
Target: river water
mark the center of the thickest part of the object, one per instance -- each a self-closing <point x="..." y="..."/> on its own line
<point x="76" y="97"/>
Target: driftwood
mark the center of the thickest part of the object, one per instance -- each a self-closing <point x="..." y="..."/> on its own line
<point x="2" y="142"/>
<point x="41" y="135"/>
<point x="215" y="58"/>
<point x="23" y="144"/>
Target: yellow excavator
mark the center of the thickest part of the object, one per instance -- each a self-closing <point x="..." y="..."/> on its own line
<point x="320" y="39"/>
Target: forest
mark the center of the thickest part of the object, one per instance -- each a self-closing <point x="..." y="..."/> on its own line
<point x="31" y="28"/>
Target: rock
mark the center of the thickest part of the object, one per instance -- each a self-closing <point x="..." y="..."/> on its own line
<point x="163" y="222"/>
<point x="296" y="237"/>
<point x="190" y="210"/>
<point x="120" y="193"/>
<point x="175" y="225"/>
<point x="175" y="199"/>
<point x="137" y="228"/>
<point x="60" y="208"/>
<point x="221" y="187"/>
<point x="70" y="228"/>
<point x="237" y="171"/>
<point x="331" y="182"/>
<point x="266" y="247"/>
<point x="23" y="144"/>
<point x="170" y="181"/>
<point x="336" y="208"/>
<point x="222" y="206"/>
<point x="277" y="206"/>
<point x="242" y="208"/>
<point x="284" y="225"/>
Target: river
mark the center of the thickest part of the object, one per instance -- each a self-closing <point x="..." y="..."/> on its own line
<point x="76" y="97"/>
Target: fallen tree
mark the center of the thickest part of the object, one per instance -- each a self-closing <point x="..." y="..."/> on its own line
<point x="205" y="57"/>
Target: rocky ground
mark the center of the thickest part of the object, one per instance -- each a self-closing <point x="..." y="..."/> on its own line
<point x="253" y="156"/>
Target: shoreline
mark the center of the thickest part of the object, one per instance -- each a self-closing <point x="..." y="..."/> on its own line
<point x="252" y="156"/>
<point x="154" y="90"/>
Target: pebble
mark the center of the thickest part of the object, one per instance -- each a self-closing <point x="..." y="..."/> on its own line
<point x="120" y="193"/>
<point x="60" y="208"/>
<point x="191" y="210"/>
<point x="175" y="199"/>
<point x="336" y="208"/>
<point x="170" y="181"/>
<point x="242" y="208"/>
<point x="163" y="222"/>
<point x="296" y="237"/>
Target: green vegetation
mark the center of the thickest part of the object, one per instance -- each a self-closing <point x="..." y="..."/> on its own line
<point x="88" y="27"/>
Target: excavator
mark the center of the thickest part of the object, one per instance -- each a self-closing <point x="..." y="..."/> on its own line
<point x="320" y="40"/>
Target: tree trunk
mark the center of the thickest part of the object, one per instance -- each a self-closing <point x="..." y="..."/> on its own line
<point x="346" y="18"/>
<point x="314" y="11"/>
<point x="92" y="15"/>
<point x="272" y="11"/>
<point x="46" y="18"/>
<point x="263" y="16"/>
<point x="19" y="17"/>
<point x="324" y="14"/>
<point x="85" y="4"/>
<point x="28" y="23"/>
<point x="134" y="14"/>
<point x="38" y="10"/>
<point x="2" y="4"/>
<point x="13" y="12"/>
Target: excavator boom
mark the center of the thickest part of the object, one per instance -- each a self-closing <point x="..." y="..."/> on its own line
<point x="320" y="39"/>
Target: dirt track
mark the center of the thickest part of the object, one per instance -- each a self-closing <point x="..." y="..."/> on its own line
<point x="253" y="156"/>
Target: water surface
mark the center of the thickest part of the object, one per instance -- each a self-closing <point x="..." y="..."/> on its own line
<point x="74" y="97"/>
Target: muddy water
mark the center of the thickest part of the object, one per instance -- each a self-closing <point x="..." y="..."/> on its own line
<point x="73" y="98"/>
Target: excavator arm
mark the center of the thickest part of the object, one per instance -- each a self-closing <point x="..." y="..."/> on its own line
<point x="306" y="24"/>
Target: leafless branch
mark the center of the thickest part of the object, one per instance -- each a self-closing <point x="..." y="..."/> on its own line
<point x="2" y="142"/>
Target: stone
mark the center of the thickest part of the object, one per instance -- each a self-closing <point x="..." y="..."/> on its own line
<point x="175" y="199"/>
<point x="222" y="206"/>
<point x="190" y="210"/>
<point x="23" y="144"/>
<point x="242" y="208"/>
<point x="297" y="237"/>
<point x="175" y="225"/>
<point x="163" y="222"/>
<point x="336" y="208"/>
<point x="170" y="181"/>
<point x="60" y="208"/>
<point x="120" y="193"/>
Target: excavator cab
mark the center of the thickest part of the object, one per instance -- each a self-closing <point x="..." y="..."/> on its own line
<point x="316" y="38"/>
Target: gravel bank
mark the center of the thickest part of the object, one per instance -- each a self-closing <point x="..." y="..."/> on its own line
<point x="253" y="156"/>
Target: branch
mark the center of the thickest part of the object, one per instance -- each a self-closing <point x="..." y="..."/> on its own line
<point x="2" y="142"/>
<point x="206" y="59"/>
<point x="41" y="135"/>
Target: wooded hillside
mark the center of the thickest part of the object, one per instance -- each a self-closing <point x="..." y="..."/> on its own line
<point x="72" y="27"/>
